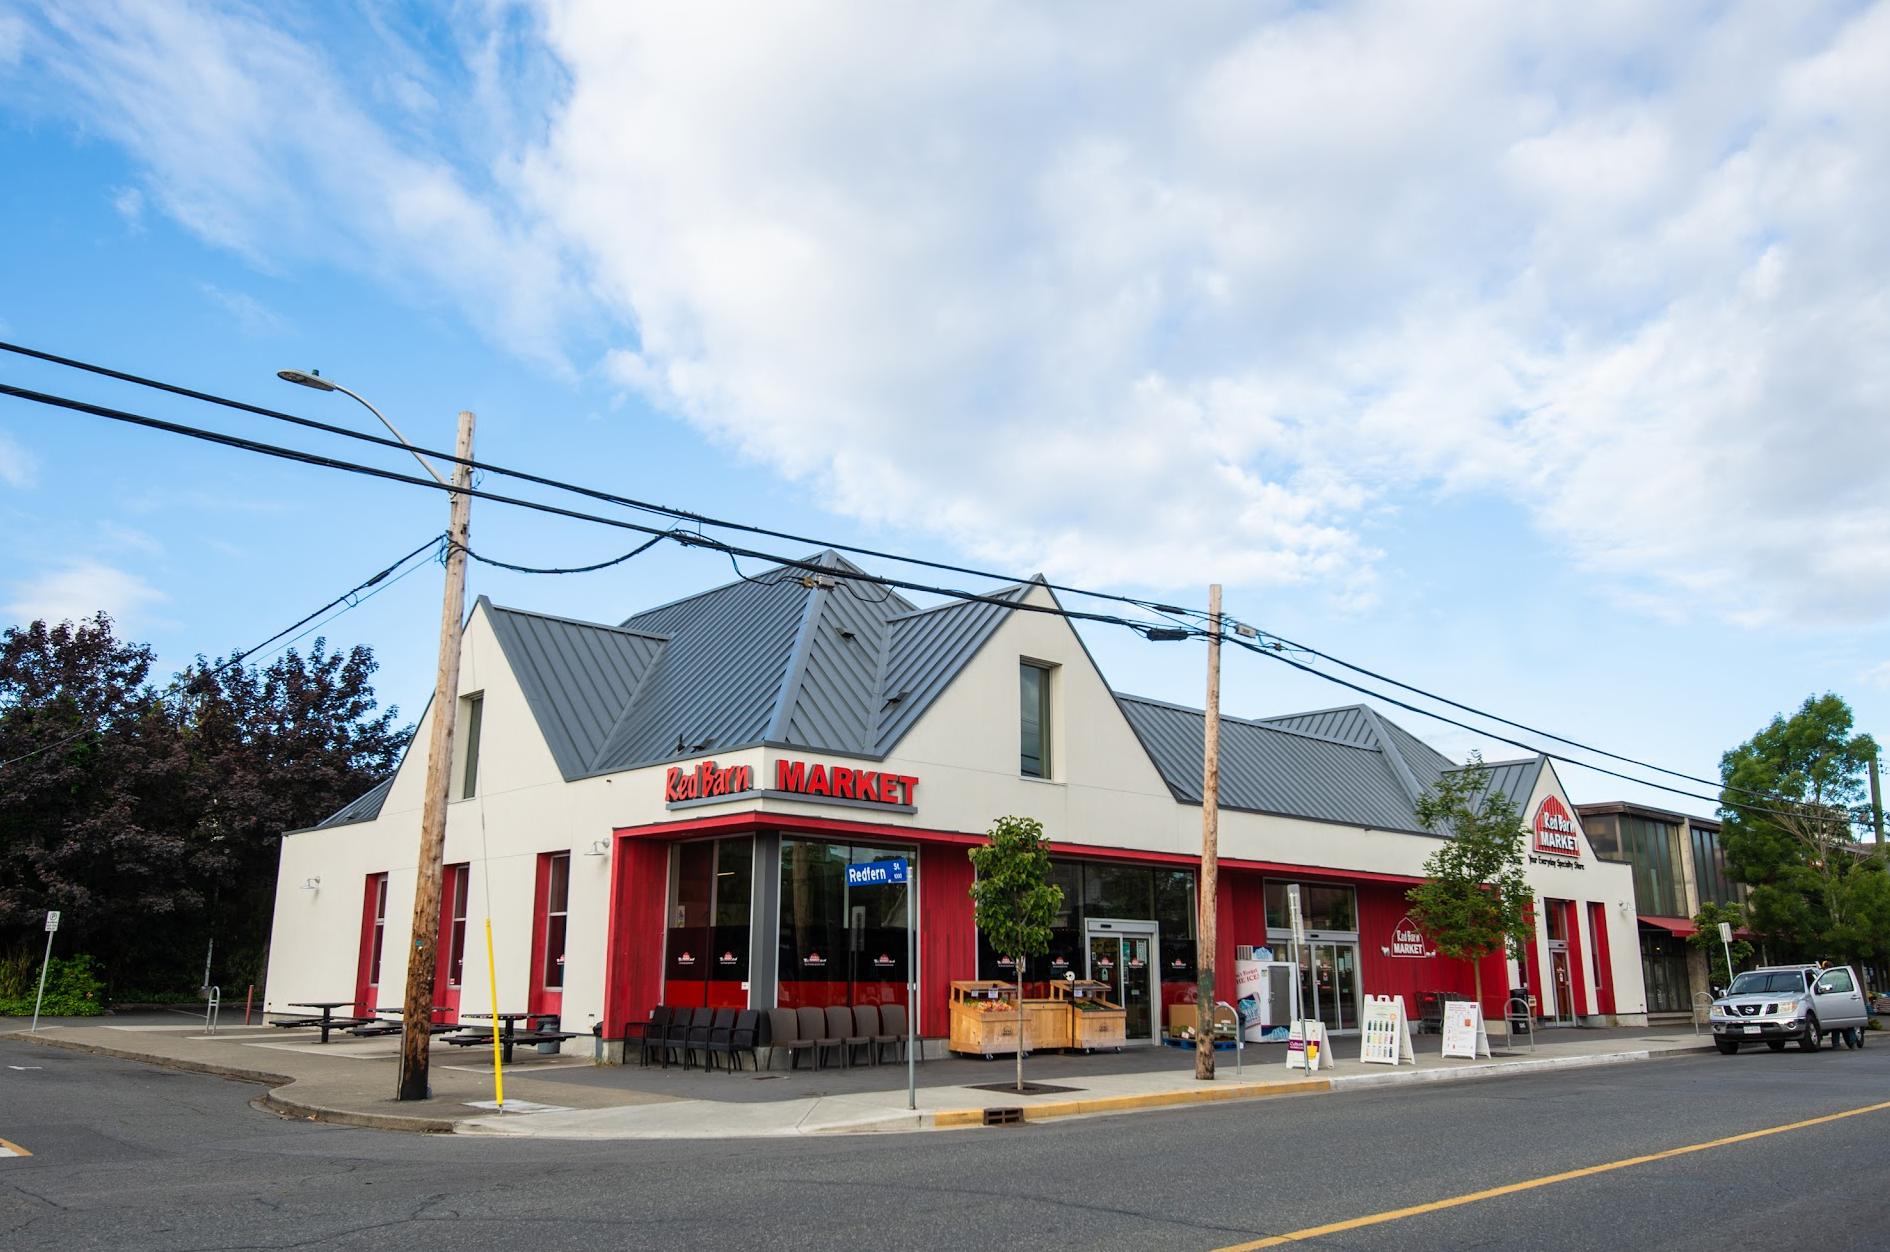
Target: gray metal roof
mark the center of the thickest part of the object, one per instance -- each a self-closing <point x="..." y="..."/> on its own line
<point x="578" y="677"/>
<point x="1515" y="779"/>
<point x="1341" y="776"/>
<point x="924" y="651"/>
<point x="363" y="808"/>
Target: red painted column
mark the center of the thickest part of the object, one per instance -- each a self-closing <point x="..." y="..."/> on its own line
<point x="948" y="938"/>
<point x="1604" y="977"/>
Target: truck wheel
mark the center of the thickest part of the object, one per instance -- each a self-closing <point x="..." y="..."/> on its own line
<point x="1858" y="1035"/>
<point x="1777" y="1045"/>
<point x="1814" y="1036"/>
<point x="1727" y="1047"/>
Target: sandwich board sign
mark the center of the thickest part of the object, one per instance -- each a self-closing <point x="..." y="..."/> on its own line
<point x="1385" y="1032"/>
<point x="1464" y="1035"/>
<point x="1306" y="1046"/>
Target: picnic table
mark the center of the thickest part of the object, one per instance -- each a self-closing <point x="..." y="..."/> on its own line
<point x="380" y="1025"/>
<point x="509" y="1034"/>
<point x="327" y="1020"/>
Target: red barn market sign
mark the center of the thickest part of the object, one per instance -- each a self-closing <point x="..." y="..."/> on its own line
<point x="709" y="781"/>
<point x="1407" y="939"/>
<point x="1555" y="830"/>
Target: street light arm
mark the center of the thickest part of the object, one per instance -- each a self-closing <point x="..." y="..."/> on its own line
<point x="358" y="399"/>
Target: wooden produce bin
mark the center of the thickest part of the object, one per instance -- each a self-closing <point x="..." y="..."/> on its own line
<point x="1046" y="1025"/>
<point x="985" y="1018"/>
<point x="1095" y="1020"/>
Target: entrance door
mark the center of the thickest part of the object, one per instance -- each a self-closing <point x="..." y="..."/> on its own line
<point x="1122" y="954"/>
<point x="1331" y="971"/>
<point x="1564" y="989"/>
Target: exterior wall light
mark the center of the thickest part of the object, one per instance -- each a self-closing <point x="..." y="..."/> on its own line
<point x="311" y="884"/>
<point x="599" y="848"/>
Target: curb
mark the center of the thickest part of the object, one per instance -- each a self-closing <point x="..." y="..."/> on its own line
<point x="949" y="1119"/>
<point x="271" y="1101"/>
<point x="1509" y="1069"/>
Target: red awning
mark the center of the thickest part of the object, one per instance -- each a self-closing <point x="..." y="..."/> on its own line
<point x="1679" y="927"/>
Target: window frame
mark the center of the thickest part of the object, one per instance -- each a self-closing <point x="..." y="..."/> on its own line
<point x="553" y="961"/>
<point x="472" y="724"/>
<point x="1045" y="715"/>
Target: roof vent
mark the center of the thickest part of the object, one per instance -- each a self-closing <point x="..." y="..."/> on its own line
<point x="894" y="699"/>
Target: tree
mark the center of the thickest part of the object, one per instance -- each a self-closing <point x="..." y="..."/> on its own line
<point x="1789" y="802"/>
<point x="91" y="795"/>
<point x="1014" y="901"/>
<point x="1705" y="936"/>
<point x="149" y="817"/>
<point x="1474" y="900"/>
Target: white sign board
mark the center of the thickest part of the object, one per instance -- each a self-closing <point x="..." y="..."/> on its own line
<point x="1306" y="1046"/>
<point x="1463" y="1030"/>
<point x="52" y="920"/>
<point x="1725" y="932"/>
<point x="1385" y="1032"/>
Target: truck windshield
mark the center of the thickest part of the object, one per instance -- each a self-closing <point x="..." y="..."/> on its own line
<point x="1775" y="982"/>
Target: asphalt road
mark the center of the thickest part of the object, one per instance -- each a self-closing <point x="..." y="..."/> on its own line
<point x="127" y="1156"/>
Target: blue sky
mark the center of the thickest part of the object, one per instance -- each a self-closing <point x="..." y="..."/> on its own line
<point x="1533" y="359"/>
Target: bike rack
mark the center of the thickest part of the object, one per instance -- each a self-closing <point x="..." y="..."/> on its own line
<point x="1702" y="1010"/>
<point x="1517" y="1007"/>
<point x="212" y="1007"/>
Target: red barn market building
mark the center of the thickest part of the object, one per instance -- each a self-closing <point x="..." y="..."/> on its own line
<point x="664" y="810"/>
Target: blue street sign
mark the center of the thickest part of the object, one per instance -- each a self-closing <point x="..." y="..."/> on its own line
<point x="877" y="873"/>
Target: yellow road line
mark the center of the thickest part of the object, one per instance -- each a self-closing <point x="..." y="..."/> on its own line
<point x="1588" y="1171"/>
<point x="7" y="1145"/>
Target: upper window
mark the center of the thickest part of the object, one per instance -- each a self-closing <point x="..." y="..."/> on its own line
<point x="471" y="710"/>
<point x="1034" y="719"/>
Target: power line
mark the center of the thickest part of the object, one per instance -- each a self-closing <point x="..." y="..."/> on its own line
<point x="237" y="659"/>
<point x="637" y="551"/>
<point x="683" y="537"/>
<point x="1170" y="612"/>
<point x="684" y="515"/>
<point x="1477" y="730"/>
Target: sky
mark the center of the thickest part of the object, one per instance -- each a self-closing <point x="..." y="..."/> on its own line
<point x="1530" y="355"/>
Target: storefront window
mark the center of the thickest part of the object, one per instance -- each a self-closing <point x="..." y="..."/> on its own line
<point x="705" y="960"/>
<point x="1326" y="908"/>
<point x="557" y="908"/>
<point x="1093" y="889"/>
<point x="1664" y="966"/>
<point x="840" y="944"/>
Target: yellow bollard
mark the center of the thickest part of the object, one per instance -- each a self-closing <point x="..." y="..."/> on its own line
<point x="492" y="978"/>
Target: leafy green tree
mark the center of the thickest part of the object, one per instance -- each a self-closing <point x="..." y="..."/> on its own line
<point x="1014" y="901"/>
<point x="1474" y="900"/>
<point x="1705" y="936"/>
<point x="1790" y="798"/>
<point x="151" y="817"/>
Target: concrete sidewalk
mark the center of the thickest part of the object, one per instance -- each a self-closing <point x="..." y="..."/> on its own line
<point x="567" y="1097"/>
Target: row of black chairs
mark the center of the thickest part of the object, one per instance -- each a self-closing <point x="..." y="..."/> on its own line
<point x="683" y="1035"/>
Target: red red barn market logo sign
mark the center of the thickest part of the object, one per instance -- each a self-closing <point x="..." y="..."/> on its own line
<point x="707" y="781"/>
<point x="1407" y="939"/>
<point x="1555" y="829"/>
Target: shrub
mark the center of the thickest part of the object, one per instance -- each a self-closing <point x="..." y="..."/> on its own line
<point x="73" y="989"/>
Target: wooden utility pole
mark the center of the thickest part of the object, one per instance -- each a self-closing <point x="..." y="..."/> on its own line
<point x="1876" y="805"/>
<point x="423" y="951"/>
<point x="1210" y="848"/>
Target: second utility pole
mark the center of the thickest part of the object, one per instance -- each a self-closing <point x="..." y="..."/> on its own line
<point x="423" y="951"/>
<point x="1210" y="849"/>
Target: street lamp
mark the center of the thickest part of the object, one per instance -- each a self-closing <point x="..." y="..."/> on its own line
<point x="422" y="953"/>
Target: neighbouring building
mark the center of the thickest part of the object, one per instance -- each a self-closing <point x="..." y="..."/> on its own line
<point x="1678" y="866"/>
<point x="664" y="810"/>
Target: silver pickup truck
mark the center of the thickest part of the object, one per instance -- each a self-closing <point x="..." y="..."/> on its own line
<point x="1777" y="1004"/>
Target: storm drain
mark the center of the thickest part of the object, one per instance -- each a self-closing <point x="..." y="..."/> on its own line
<point x="1003" y="1117"/>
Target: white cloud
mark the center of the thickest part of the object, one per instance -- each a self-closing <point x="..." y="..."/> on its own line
<point x="18" y="467"/>
<point x="251" y="315"/>
<point x="128" y="203"/>
<point x="1174" y="302"/>
<point x="81" y="589"/>
<point x="1133" y="297"/>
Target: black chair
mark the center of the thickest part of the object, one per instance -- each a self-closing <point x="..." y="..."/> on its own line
<point x="676" y="1037"/>
<point x="814" y="1029"/>
<point x="784" y="1033"/>
<point x="741" y="1038"/>
<point x="648" y="1035"/>
<point x="702" y="1021"/>
<point x="720" y="1040"/>
<point x="865" y="1031"/>
<point x="892" y="1030"/>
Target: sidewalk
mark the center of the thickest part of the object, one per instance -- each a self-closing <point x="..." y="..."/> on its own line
<point x="567" y="1097"/>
